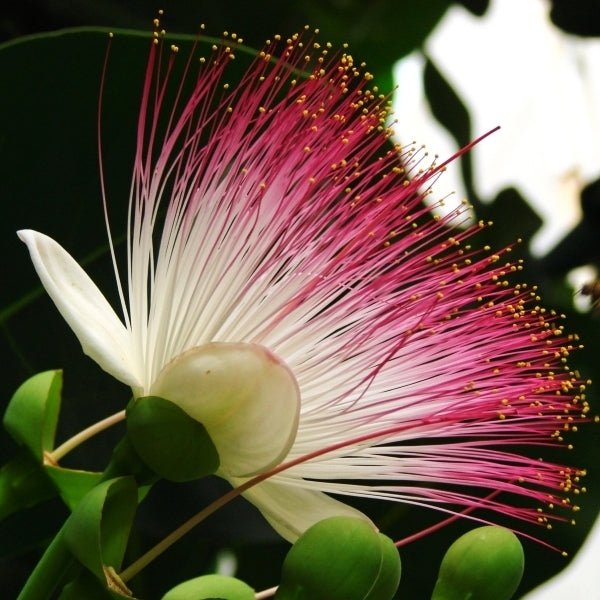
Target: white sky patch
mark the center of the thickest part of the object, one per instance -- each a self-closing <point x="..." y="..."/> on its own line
<point x="513" y="68"/>
<point x="580" y="580"/>
<point x="415" y="118"/>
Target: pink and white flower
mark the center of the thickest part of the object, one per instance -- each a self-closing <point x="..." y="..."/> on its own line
<point x="345" y="324"/>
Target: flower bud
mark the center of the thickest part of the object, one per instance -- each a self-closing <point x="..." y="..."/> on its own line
<point x="211" y="587"/>
<point x="340" y="558"/>
<point x="483" y="564"/>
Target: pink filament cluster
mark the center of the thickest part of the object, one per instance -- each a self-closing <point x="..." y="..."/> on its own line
<point x="292" y="221"/>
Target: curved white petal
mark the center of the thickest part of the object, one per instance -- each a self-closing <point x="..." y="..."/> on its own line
<point x="101" y="333"/>
<point x="292" y="510"/>
<point x="246" y="397"/>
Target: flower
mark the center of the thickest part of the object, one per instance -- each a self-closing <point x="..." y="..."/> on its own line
<point x="349" y="332"/>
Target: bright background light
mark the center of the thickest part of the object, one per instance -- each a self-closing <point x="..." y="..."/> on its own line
<point x="513" y="68"/>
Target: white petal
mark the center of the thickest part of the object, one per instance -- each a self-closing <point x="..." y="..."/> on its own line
<point x="246" y="397"/>
<point x="292" y="510"/>
<point x="103" y="336"/>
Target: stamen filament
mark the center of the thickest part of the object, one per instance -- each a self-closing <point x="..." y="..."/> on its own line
<point x="175" y="535"/>
<point x="441" y="524"/>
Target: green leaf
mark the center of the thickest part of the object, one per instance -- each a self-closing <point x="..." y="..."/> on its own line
<point x="50" y="571"/>
<point x="31" y="418"/>
<point x="98" y="530"/>
<point x="86" y="587"/>
<point x="72" y="484"/>
<point x="379" y="33"/>
<point x="23" y="484"/>
<point x="169" y="441"/>
<point x="211" y="587"/>
<point x="446" y="105"/>
<point x="448" y="108"/>
<point x="124" y="461"/>
<point x="32" y="414"/>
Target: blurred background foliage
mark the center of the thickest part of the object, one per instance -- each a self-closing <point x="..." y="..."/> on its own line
<point x="49" y="181"/>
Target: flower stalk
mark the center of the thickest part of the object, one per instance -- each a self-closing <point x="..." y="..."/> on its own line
<point x="85" y="434"/>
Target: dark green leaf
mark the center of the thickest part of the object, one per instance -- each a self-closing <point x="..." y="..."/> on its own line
<point x="169" y="441"/>
<point x="379" y="33"/>
<point x="23" y="483"/>
<point x="86" y="587"/>
<point x="126" y="461"/>
<point x="98" y="530"/>
<point x="446" y="105"/>
<point x="477" y="7"/>
<point x="580" y="17"/>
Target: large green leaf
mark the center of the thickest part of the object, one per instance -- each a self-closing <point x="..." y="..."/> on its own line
<point x="31" y="418"/>
<point x="98" y="530"/>
<point x="32" y="414"/>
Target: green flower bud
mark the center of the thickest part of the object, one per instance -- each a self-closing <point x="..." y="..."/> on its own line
<point x="389" y="573"/>
<point x="483" y="564"/>
<point x="340" y="558"/>
<point x="211" y="587"/>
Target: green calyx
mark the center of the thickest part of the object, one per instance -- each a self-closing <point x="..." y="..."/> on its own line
<point x="173" y="444"/>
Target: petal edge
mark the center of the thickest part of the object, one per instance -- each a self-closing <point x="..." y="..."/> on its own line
<point x="246" y="397"/>
<point x="102" y="335"/>
<point x="291" y="510"/>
